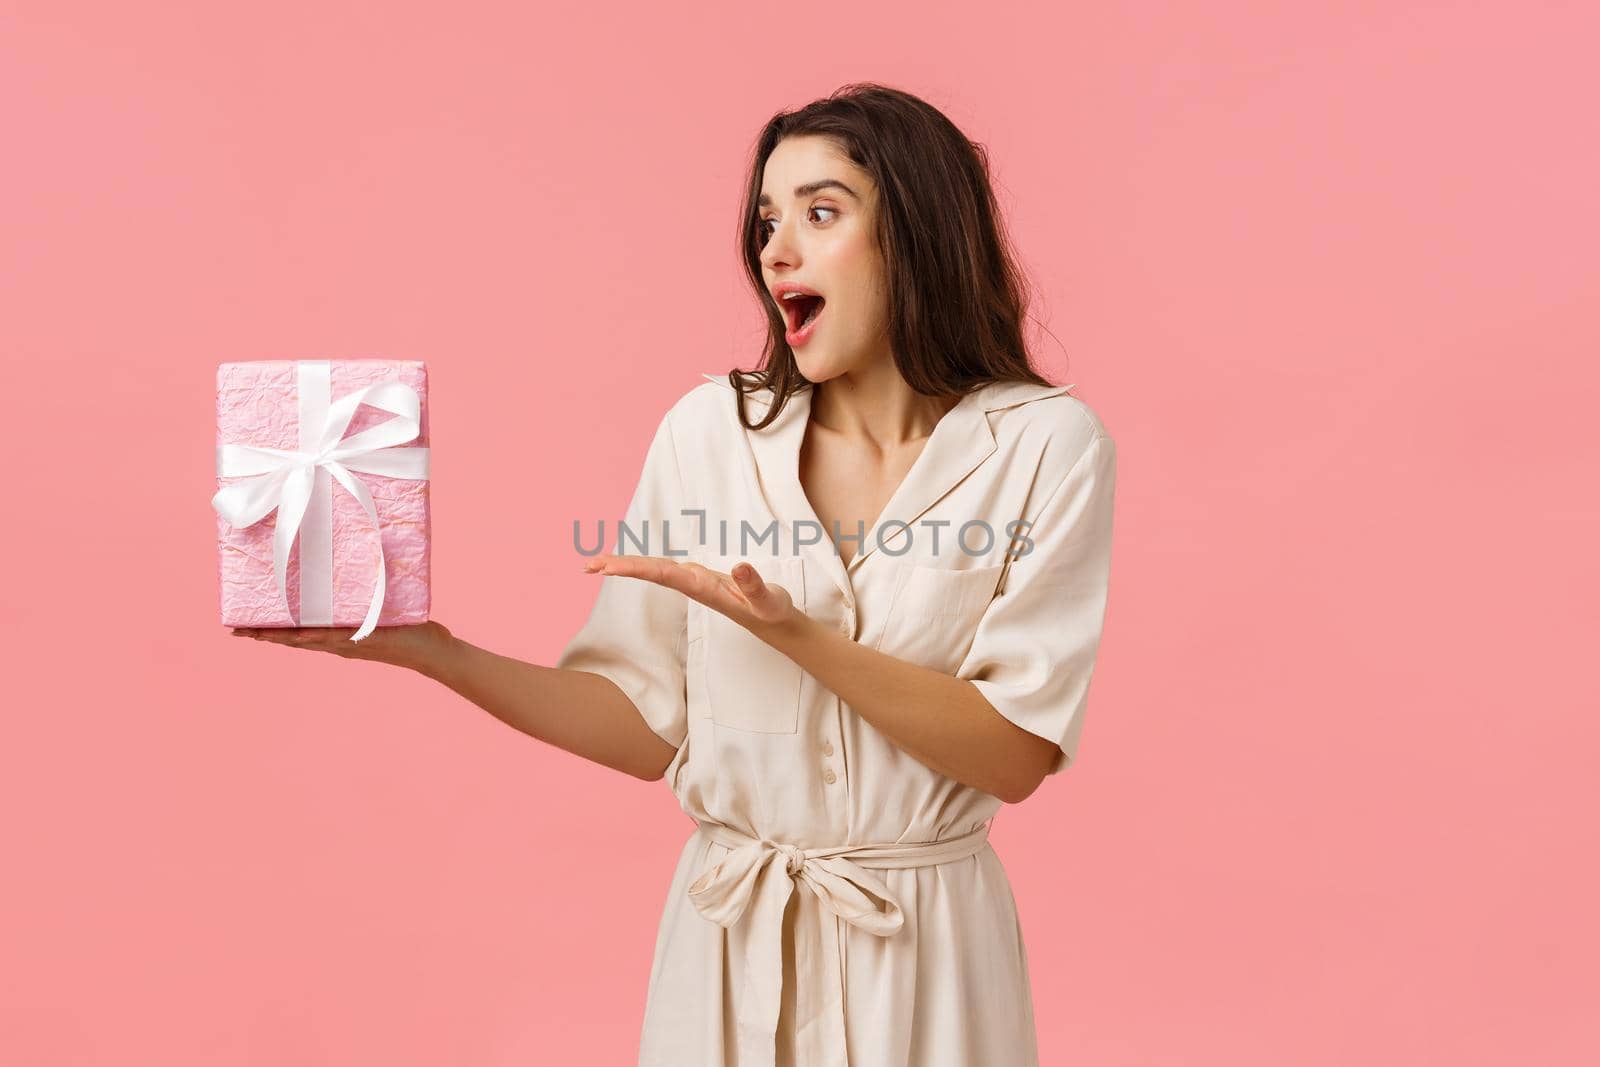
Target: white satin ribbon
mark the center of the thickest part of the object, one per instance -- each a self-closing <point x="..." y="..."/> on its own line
<point x="297" y="484"/>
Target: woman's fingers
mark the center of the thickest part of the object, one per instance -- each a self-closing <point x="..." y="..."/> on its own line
<point x="296" y="635"/>
<point x="763" y="601"/>
<point x="319" y="638"/>
<point x="650" y="568"/>
<point x="691" y="579"/>
<point x="420" y="646"/>
<point x="744" y="596"/>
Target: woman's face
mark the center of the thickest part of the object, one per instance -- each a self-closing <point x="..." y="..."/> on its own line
<point x="817" y="211"/>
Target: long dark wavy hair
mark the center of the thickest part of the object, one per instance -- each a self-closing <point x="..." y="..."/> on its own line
<point x="957" y="299"/>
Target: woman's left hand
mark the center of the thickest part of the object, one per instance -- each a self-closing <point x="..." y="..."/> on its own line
<point x="750" y="602"/>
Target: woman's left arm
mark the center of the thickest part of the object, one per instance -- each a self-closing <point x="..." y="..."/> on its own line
<point x="963" y="737"/>
<point x="941" y="720"/>
<point x="1030" y="661"/>
<point x="1012" y="712"/>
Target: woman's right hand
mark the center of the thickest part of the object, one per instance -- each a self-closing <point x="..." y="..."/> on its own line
<point x="423" y="646"/>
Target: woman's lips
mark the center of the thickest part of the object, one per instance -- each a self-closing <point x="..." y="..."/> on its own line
<point x="798" y="334"/>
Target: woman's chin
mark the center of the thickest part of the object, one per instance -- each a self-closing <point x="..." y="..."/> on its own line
<point x="813" y="365"/>
<point x="817" y="365"/>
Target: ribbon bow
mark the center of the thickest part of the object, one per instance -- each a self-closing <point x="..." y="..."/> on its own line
<point x="758" y="876"/>
<point x="284" y="480"/>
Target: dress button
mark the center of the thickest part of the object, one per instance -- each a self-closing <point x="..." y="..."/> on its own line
<point x="829" y="777"/>
<point x="827" y="748"/>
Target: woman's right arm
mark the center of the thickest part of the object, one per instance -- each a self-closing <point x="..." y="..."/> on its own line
<point x="577" y="711"/>
<point x="618" y="693"/>
<point x="582" y="713"/>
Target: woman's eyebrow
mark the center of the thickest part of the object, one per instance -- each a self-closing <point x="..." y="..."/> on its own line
<point x="813" y="187"/>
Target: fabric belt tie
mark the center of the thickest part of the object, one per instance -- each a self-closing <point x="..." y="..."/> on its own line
<point x="759" y="876"/>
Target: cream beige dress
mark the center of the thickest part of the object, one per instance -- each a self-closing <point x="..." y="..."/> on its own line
<point x="837" y="902"/>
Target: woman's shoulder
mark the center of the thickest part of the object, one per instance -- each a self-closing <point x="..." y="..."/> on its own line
<point x="703" y="421"/>
<point x="711" y="407"/>
<point x="705" y="405"/>
<point x="1047" y="422"/>
<point x="714" y="391"/>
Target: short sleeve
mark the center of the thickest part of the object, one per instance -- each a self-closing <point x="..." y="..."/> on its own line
<point x="635" y="634"/>
<point x="1034" y="650"/>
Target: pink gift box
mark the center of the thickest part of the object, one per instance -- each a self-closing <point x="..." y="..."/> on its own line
<point x="259" y="404"/>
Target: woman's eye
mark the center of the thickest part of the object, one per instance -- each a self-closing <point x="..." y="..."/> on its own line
<point x="764" y="233"/>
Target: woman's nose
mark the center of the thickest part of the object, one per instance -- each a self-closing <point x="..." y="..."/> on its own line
<point x="779" y="250"/>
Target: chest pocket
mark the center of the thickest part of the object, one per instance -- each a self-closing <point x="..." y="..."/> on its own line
<point x="934" y="612"/>
<point x="750" y="685"/>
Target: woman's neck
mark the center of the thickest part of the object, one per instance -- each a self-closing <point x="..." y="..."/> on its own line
<point x="878" y="407"/>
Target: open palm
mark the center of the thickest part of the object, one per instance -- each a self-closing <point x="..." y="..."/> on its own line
<point x="413" y="646"/>
<point x="752" y="603"/>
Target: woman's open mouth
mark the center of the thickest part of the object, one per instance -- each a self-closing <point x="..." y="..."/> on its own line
<point x="802" y="313"/>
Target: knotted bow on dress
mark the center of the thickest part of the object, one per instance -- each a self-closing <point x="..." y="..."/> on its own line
<point x="758" y="876"/>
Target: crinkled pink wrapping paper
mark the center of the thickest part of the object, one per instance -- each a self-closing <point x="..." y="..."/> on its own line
<point x="258" y="404"/>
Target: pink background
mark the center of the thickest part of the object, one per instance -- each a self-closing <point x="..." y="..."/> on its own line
<point x="1327" y="271"/>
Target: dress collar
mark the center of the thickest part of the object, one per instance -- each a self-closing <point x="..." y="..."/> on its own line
<point x="959" y="443"/>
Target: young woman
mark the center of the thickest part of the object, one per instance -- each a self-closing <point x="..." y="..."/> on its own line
<point x="868" y="617"/>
